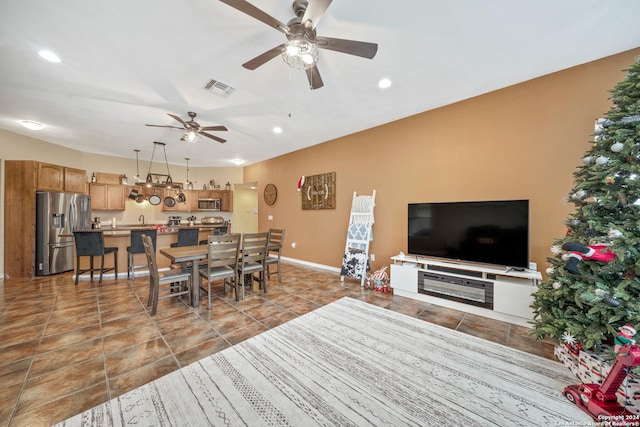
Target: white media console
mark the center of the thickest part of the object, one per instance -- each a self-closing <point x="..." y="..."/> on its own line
<point x="493" y="292"/>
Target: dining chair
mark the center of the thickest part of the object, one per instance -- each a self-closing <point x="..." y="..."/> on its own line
<point x="274" y="251"/>
<point x="91" y="244"/>
<point x="171" y="280"/>
<point x="252" y="260"/>
<point x="221" y="263"/>
<point x="136" y="247"/>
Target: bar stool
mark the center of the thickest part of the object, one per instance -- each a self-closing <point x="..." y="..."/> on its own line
<point x="136" y="247"/>
<point x="91" y="244"/>
<point x="187" y="237"/>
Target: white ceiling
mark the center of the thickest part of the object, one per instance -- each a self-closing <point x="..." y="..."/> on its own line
<point x="127" y="63"/>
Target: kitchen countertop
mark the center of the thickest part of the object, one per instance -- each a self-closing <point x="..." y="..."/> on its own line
<point x="125" y="230"/>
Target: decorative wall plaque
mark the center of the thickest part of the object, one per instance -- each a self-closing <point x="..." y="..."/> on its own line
<point x="319" y="191"/>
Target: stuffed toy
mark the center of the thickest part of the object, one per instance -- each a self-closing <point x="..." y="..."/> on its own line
<point x="624" y="336"/>
<point x="580" y="252"/>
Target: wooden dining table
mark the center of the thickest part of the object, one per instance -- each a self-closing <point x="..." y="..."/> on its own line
<point x="184" y="255"/>
<point x="193" y="254"/>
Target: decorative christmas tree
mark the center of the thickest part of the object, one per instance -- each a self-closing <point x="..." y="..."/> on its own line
<point x="593" y="285"/>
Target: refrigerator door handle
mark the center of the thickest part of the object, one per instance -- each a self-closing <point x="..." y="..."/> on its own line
<point x="72" y="216"/>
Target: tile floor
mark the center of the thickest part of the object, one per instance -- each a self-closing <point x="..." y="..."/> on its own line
<point x="65" y="349"/>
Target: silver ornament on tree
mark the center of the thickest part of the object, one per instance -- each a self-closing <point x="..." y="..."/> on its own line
<point x="617" y="147"/>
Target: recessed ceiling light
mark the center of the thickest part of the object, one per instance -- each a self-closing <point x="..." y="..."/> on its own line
<point x="237" y="161"/>
<point x="49" y="56"/>
<point x="384" y="83"/>
<point x="32" y="125"/>
<point x="277" y="129"/>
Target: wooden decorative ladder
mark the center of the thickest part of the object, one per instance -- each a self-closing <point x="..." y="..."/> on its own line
<point x="359" y="237"/>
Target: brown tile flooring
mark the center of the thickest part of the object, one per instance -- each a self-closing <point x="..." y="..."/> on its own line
<point x="65" y="349"/>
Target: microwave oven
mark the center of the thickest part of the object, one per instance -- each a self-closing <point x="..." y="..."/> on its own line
<point x="208" y="204"/>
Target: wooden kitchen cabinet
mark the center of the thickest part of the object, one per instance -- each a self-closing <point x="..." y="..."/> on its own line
<point x="50" y="177"/>
<point x="108" y="197"/>
<point x="75" y="180"/>
<point x="192" y="200"/>
<point x="59" y="178"/>
<point x="226" y="201"/>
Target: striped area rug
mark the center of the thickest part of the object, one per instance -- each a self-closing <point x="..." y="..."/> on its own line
<point x="352" y="364"/>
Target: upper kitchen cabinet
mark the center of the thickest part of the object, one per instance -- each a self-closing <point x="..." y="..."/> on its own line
<point x="59" y="178"/>
<point x="107" y="197"/>
<point x="226" y="200"/>
<point x="75" y="180"/>
<point x="50" y="177"/>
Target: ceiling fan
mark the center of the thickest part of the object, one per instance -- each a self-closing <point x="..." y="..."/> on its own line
<point x="301" y="49"/>
<point x="193" y="129"/>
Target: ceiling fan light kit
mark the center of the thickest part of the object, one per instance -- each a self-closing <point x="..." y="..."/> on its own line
<point x="300" y="53"/>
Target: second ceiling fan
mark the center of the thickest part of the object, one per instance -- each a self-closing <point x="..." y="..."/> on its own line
<point x="301" y="49"/>
<point x="192" y="129"/>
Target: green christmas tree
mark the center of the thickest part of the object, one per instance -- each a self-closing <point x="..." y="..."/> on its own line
<point x="593" y="284"/>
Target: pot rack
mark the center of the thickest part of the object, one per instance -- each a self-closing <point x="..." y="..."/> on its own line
<point x="167" y="182"/>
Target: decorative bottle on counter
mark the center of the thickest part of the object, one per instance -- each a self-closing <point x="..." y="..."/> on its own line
<point x="93" y="177"/>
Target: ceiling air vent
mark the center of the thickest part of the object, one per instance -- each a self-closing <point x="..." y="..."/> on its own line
<point x="219" y="88"/>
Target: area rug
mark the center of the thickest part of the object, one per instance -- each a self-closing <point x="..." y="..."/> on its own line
<point x="352" y="364"/>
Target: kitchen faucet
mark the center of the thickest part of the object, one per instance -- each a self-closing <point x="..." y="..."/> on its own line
<point x="141" y="217"/>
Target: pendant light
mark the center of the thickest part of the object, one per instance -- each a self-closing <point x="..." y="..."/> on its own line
<point x="137" y="177"/>
<point x="189" y="184"/>
<point x="168" y="183"/>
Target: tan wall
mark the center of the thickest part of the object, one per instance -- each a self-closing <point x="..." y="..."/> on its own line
<point x="522" y="142"/>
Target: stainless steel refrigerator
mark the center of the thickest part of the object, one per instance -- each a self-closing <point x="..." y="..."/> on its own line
<point x="58" y="215"/>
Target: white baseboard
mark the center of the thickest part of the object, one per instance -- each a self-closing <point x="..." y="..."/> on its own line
<point x="311" y="264"/>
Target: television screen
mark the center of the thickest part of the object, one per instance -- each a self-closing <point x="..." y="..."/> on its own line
<point x="492" y="232"/>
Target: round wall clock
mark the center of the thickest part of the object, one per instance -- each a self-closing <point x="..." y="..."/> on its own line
<point x="270" y="194"/>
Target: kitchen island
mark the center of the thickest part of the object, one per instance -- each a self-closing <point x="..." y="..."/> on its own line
<point x="120" y="237"/>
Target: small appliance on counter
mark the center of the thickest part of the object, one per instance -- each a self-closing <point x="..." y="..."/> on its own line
<point x="213" y="220"/>
<point x="174" y="221"/>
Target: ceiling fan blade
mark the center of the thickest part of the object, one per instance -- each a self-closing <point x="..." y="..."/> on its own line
<point x="351" y="47"/>
<point x="263" y="58"/>
<point x="313" y="75"/>
<point x="213" y="128"/>
<point x="182" y="122"/>
<point x="165" y="126"/>
<point x="315" y="11"/>
<point x="213" y="137"/>
<point x="258" y="14"/>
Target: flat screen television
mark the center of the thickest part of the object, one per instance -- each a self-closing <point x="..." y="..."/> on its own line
<point x="490" y="232"/>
